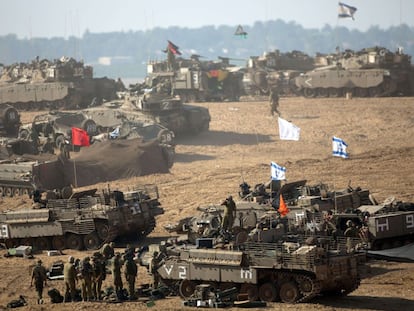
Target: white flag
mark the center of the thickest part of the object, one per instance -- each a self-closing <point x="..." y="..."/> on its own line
<point x="345" y="10"/>
<point x="277" y="172"/>
<point x="339" y="148"/>
<point x="287" y="130"/>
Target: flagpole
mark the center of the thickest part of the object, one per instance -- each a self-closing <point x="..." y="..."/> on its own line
<point x="74" y="168"/>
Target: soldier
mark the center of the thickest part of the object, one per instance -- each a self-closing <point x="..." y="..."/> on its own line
<point x="116" y="273"/>
<point x="48" y="147"/>
<point x="229" y="213"/>
<point x="34" y="135"/>
<point x="87" y="273"/>
<point x="350" y="232"/>
<point x="69" y="274"/>
<point x="329" y="226"/>
<point x="153" y="267"/>
<point x="131" y="271"/>
<point x="274" y="101"/>
<point x="39" y="276"/>
<point x="99" y="274"/>
<point x="108" y="251"/>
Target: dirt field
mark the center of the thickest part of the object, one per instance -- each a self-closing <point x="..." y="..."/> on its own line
<point x="242" y="141"/>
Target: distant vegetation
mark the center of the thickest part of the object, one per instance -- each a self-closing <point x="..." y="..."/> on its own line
<point x="126" y="53"/>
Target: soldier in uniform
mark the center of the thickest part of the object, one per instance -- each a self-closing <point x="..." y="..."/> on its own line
<point x="153" y="267"/>
<point x="350" y="232"/>
<point x="39" y="277"/>
<point x="99" y="274"/>
<point x="69" y="275"/>
<point x="87" y="273"/>
<point x="131" y="271"/>
<point x="116" y="274"/>
<point x="229" y="213"/>
<point x="34" y="135"/>
<point x="274" y="101"/>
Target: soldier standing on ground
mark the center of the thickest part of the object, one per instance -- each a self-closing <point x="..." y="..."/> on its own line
<point x="116" y="274"/>
<point x="69" y="275"/>
<point x="153" y="267"/>
<point x="131" y="271"/>
<point x="86" y="272"/>
<point x="274" y="101"/>
<point x="229" y="213"/>
<point x="39" y="276"/>
<point x="108" y="251"/>
<point x="99" y="274"/>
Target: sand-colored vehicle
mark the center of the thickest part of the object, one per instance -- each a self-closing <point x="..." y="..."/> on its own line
<point x="87" y="219"/>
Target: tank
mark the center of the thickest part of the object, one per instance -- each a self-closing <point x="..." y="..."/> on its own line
<point x="370" y="72"/>
<point x="275" y="70"/>
<point x="170" y="112"/>
<point x="87" y="219"/>
<point x="289" y="271"/>
<point x="45" y="84"/>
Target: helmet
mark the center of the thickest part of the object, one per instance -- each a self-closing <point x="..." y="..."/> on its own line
<point x="349" y="223"/>
<point x="87" y="258"/>
<point x="229" y="198"/>
<point x="71" y="259"/>
<point x="39" y="261"/>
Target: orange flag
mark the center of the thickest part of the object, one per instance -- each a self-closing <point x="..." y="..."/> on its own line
<point x="283" y="210"/>
<point x="80" y="137"/>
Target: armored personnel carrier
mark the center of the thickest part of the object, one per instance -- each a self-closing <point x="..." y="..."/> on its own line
<point x="371" y="72"/>
<point x="287" y="271"/>
<point x="44" y="84"/>
<point x="85" y="220"/>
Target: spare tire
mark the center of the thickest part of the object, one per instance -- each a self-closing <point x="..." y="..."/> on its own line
<point x="90" y="127"/>
<point x="10" y="116"/>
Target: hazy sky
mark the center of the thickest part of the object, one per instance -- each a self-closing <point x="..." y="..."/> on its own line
<point x="56" y="18"/>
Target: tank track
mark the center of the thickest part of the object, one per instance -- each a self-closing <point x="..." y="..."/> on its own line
<point x="308" y="292"/>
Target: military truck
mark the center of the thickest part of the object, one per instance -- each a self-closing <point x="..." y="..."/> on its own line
<point x="87" y="219"/>
<point x="45" y="84"/>
<point x="287" y="271"/>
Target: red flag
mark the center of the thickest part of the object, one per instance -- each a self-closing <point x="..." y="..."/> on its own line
<point x="283" y="210"/>
<point x="80" y="137"/>
<point x="173" y="48"/>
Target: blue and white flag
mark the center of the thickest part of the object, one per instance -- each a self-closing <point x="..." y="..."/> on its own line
<point x="277" y="172"/>
<point x="345" y="10"/>
<point x="339" y="148"/>
<point x="114" y="134"/>
<point x="288" y="130"/>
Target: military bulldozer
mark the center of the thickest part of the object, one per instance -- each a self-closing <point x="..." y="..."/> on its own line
<point x="289" y="271"/>
<point x="86" y="219"/>
<point x="43" y="84"/>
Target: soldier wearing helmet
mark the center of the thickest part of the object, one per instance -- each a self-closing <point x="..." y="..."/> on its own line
<point x="69" y="275"/>
<point x="229" y="213"/>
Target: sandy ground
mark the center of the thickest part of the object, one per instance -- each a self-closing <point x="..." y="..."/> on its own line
<point x="242" y="141"/>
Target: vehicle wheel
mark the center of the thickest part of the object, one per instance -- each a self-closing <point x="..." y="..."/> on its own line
<point x="306" y="285"/>
<point x="24" y="191"/>
<point x="42" y="243"/>
<point x="10" y="116"/>
<point x="16" y="192"/>
<point x="322" y="92"/>
<point x="267" y="292"/>
<point x="289" y="292"/>
<point x="186" y="288"/>
<point x="91" y="241"/>
<point x="361" y="92"/>
<point x="58" y="242"/>
<point x="8" y="192"/>
<point x="251" y="290"/>
<point x="60" y="141"/>
<point x="90" y="127"/>
<point x="74" y="241"/>
<point x="24" y="134"/>
<point x="1" y="192"/>
<point x="102" y="230"/>
<point x="309" y="93"/>
<point x="334" y="92"/>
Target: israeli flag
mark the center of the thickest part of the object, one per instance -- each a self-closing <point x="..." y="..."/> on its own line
<point x="114" y="134"/>
<point x="345" y="10"/>
<point x="277" y="172"/>
<point x="339" y="148"/>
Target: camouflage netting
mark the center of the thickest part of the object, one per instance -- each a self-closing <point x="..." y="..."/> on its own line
<point x="112" y="160"/>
